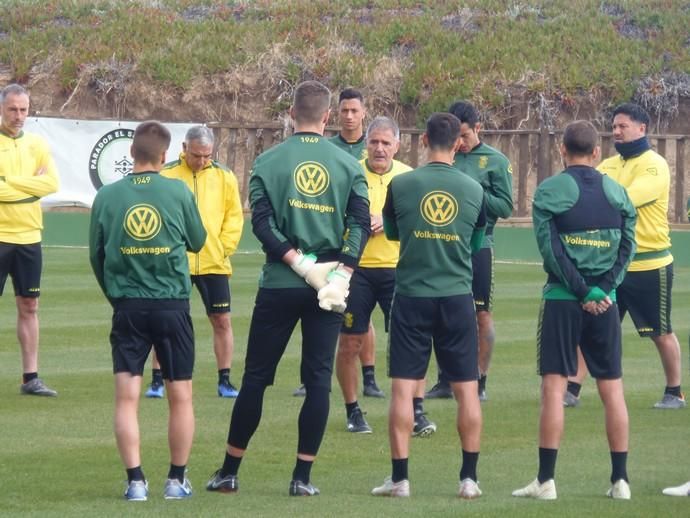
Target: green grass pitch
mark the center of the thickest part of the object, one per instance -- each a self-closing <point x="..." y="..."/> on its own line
<point x="58" y="456"/>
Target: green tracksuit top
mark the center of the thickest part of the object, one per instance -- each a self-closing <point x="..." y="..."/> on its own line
<point x="434" y="212"/>
<point x="492" y="170"/>
<point x="584" y="223"/>
<point x="141" y="228"/>
<point x="308" y="195"/>
<point x="357" y="149"/>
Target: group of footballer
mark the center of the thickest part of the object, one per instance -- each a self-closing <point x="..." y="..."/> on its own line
<point x="419" y="243"/>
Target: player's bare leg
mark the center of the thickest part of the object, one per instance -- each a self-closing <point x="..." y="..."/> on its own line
<point x="669" y="352"/>
<point x="487" y="340"/>
<point x="223" y="347"/>
<point x="571" y="396"/>
<point x="126" y="421"/>
<point x="180" y="421"/>
<point x="349" y="348"/>
<point x="28" y="331"/>
<point x="367" y="358"/>
<point x="469" y="426"/>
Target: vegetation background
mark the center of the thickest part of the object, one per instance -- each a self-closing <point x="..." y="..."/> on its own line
<point x="525" y="63"/>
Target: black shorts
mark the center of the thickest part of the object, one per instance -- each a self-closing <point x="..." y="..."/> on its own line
<point x="563" y="325"/>
<point x="215" y="292"/>
<point x="170" y="332"/>
<point x="276" y="313"/>
<point x="367" y="287"/>
<point x="483" y="279"/>
<point x="23" y="263"/>
<point x="449" y="323"/>
<point x="647" y="296"/>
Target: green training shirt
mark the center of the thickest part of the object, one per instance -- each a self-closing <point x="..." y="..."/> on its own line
<point x="306" y="194"/>
<point x="492" y="170"/>
<point x="141" y="228"/>
<point x="434" y="212"/>
<point x="584" y="223"/>
<point x="357" y="149"/>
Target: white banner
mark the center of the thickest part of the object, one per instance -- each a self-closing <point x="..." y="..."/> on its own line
<point x="89" y="154"/>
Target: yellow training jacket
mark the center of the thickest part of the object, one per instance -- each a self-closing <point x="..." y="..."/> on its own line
<point x="379" y="251"/>
<point x="21" y="157"/>
<point x="646" y="178"/>
<point x="218" y="199"/>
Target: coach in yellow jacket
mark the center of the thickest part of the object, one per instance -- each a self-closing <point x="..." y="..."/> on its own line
<point x="217" y="197"/>
<point x="27" y="173"/>
<point x="646" y="289"/>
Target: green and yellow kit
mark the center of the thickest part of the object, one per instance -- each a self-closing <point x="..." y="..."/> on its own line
<point x="438" y="216"/>
<point x="306" y="194"/>
<point x="584" y="223"/>
<point x="357" y="149"/>
<point x="492" y="170"/>
<point x="141" y="228"/>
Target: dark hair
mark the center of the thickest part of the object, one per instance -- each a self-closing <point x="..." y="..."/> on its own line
<point x="442" y="130"/>
<point x="465" y="112"/>
<point x="312" y="99"/>
<point x="12" y="89"/>
<point x="580" y="138"/>
<point x="634" y="111"/>
<point x="151" y="140"/>
<point x="350" y="93"/>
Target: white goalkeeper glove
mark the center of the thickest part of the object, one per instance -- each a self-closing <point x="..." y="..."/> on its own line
<point x="314" y="273"/>
<point x="332" y="297"/>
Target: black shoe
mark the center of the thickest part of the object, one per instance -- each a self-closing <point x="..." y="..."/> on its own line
<point x="440" y="391"/>
<point x="356" y="422"/>
<point x="372" y="390"/>
<point x="299" y="488"/>
<point x="224" y="484"/>
<point x="422" y="426"/>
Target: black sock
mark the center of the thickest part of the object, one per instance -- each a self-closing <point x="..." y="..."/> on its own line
<point x="350" y="407"/>
<point x="547" y="464"/>
<point x="177" y="472"/>
<point x="442" y="380"/>
<point x="418" y="405"/>
<point x="302" y="470"/>
<point x="674" y="391"/>
<point x="28" y="376"/>
<point x="135" y="474"/>
<point x="223" y="376"/>
<point x="231" y="465"/>
<point x="368" y="375"/>
<point x="574" y="388"/>
<point x="399" y="469"/>
<point x="156" y="376"/>
<point x="619" y="460"/>
<point x="469" y="465"/>
<point x="482" y="382"/>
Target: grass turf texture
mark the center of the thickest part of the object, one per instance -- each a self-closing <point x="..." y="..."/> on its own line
<point x="58" y="456"/>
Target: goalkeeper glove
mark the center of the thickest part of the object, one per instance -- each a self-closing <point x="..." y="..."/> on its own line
<point x="314" y="273"/>
<point x="332" y="297"/>
<point x="595" y="294"/>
